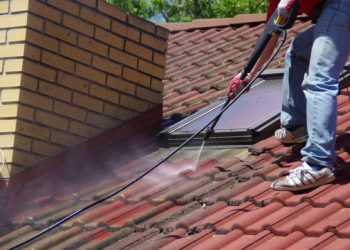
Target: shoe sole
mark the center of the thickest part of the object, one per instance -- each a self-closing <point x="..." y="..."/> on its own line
<point x="299" y="140"/>
<point x="320" y="183"/>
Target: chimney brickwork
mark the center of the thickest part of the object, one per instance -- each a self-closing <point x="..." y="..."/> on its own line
<point x="70" y="70"/>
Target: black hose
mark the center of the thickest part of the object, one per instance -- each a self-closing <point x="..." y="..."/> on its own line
<point x="69" y="216"/>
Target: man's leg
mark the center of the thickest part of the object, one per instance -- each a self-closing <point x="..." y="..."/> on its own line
<point x="293" y="112"/>
<point x="329" y="53"/>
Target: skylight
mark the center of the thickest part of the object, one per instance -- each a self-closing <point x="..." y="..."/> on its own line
<point x="251" y="118"/>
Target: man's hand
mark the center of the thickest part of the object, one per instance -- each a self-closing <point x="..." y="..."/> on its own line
<point x="236" y="85"/>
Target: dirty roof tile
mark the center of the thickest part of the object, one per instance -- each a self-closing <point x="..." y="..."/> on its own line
<point x="305" y="218"/>
<point x="273" y="242"/>
<point x="223" y="202"/>
<point x="187" y="242"/>
<point x="245" y="241"/>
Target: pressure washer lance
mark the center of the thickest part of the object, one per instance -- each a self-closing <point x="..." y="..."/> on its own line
<point x="268" y="32"/>
<point x="274" y="27"/>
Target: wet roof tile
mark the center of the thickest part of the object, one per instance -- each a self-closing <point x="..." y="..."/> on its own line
<point x="221" y="202"/>
<point x="197" y="209"/>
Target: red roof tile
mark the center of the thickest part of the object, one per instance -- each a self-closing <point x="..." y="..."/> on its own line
<point x="204" y="55"/>
<point x="223" y="202"/>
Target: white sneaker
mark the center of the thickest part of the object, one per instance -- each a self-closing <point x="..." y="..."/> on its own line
<point x="304" y="177"/>
<point x="298" y="135"/>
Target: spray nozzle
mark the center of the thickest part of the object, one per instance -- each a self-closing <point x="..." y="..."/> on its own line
<point x="208" y="133"/>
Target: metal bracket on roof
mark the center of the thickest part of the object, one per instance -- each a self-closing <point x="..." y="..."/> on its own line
<point x="272" y="73"/>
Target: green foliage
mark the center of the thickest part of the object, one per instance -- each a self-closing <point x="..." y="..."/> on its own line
<point x="186" y="10"/>
<point x="230" y="8"/>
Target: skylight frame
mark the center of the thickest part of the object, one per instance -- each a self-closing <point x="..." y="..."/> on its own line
<point x="238" y="137"/>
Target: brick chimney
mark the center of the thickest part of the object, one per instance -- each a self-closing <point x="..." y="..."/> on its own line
<point x="70" y="70"/>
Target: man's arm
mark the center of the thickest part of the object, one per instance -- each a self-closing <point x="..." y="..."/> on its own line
<point x="236" y="81"/>
<point x="264" y="56"/>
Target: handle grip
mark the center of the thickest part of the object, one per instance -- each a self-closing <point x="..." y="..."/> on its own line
<point x="292" y="17"/>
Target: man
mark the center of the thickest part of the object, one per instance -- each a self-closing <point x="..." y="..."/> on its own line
<point x="313" y="64"/>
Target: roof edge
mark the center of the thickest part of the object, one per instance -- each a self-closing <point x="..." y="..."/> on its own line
<point x="240" y="19"/>
<point x="207" y="23"/>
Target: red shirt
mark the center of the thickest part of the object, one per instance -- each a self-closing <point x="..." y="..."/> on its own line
<point x="306" y="7"/>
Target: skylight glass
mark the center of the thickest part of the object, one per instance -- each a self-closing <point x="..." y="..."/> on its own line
<point x="247" y="115"/>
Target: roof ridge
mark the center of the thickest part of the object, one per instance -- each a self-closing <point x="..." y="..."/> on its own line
<point x="206" y="23"/>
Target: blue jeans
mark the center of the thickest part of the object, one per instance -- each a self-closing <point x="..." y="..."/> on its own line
<point x="313" y="64"/>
